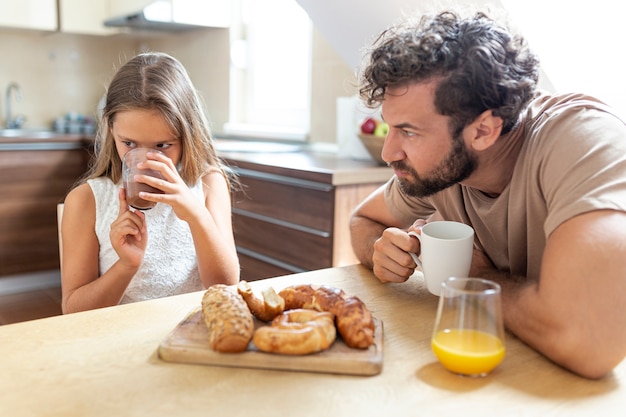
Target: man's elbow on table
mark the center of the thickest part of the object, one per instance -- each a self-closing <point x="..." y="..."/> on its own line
<point x="578" y="303"/>
<point x="585" y="355"/>
<point x="586" y="343"/>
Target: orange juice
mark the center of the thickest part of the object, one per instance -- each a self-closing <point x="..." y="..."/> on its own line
<point x="468" y="352"/>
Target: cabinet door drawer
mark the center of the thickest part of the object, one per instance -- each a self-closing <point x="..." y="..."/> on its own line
<point x="285" y="242"/>
<point x="32" y="183"/>
<point x="297" y="201"/>
<point x="253" y="268"/>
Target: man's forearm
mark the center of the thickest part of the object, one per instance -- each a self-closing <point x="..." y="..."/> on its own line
<point x="525" y="314"/>
<point x="538" y="320"/>
<point x="363" y="233"/>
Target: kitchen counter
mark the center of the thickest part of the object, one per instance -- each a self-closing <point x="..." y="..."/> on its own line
<point x="105" y="362"/>
<point x="55" y="141"/>
<point x="305" y="164"/>
<point x="292" y="211"/>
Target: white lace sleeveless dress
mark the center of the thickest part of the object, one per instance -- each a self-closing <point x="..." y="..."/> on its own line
<point x="169" y="265"/>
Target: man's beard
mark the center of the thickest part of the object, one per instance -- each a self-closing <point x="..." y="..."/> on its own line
<point x="457" y="166"/>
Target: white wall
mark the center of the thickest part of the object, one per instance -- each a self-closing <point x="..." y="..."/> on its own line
<point x="350" y="25"/>
<point x="580" y="42"/>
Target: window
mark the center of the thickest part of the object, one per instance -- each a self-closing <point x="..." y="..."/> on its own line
<point x="270" y="70"/>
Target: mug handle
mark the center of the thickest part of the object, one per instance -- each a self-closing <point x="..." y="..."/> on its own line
<point x="414" y="256"/>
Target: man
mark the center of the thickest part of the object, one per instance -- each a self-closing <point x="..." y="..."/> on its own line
<point x="541" y="178"/>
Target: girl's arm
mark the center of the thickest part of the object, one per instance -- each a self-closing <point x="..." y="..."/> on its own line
<point x="209" y="220"/>
<point x="212" y="233"/>
<point x="82" y="287"/>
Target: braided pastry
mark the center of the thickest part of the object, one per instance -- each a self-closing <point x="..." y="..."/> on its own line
<point x="354" y="321"/>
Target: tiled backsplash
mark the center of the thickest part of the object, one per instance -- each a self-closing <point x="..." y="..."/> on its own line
<point x="60" y="73"/>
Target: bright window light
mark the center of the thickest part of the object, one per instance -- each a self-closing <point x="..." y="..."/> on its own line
<point x="270" y="71"/>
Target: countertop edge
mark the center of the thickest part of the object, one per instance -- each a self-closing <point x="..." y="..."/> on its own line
<point x="324" y="168"/>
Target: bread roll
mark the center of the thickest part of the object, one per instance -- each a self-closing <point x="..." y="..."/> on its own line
<point x="265" y="309"/>
<point x="228" y="319"/>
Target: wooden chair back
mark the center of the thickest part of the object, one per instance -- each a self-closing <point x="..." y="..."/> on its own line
<point x="59" y="221"/>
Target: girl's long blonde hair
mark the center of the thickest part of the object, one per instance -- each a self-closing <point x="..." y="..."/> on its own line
<point x="157" y="81"/>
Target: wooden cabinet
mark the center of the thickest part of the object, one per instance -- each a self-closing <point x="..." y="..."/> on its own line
<point x="289" y="219"/>
<point x="29" y="14"/>
<point x="34" y="177"/>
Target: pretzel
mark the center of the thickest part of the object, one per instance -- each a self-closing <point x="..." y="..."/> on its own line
<point x="297" y="332"/>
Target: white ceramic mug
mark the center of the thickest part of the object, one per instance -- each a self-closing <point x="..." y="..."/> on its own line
<point x="446" y="251"/>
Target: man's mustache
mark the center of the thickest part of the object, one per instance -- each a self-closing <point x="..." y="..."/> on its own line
<point x="399" y="166"/>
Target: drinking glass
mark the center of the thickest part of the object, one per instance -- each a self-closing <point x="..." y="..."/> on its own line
<point x="468" y="338"/>
<point x="132" y="187"/>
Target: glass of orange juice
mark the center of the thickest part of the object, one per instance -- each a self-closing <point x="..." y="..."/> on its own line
<point x="468" y="338"/>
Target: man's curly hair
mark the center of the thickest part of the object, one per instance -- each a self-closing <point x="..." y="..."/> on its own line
<point x="482" y="66"/>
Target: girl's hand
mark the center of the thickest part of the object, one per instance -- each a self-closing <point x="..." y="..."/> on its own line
<point x="129" y="235"/>
<point x="175" y="192"/>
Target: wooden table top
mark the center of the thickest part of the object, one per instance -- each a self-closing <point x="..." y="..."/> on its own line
<point x="105" y="363"/>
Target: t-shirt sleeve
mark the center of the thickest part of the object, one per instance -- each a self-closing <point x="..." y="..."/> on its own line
<point x="582" y="167"/>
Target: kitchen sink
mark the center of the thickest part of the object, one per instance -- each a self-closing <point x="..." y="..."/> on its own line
<point x="28" y="133"/>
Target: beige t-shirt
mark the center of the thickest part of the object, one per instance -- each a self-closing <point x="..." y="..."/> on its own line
<point x="573" y="161"/>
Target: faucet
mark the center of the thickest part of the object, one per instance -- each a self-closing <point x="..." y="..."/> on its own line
<point x="19" y="120"/>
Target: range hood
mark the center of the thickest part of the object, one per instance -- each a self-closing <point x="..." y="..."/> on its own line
<point x="174" y="16"/>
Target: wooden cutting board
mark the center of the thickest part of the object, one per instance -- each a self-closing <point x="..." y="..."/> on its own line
<point x="188" y="343"/>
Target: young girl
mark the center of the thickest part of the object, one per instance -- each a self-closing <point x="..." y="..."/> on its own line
<point x="113" y="254"/>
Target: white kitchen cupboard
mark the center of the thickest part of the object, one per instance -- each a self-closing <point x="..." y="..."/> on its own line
<point x="121" y="7"/>
<point x="85" y="17"/>
<point x="208" y="13"/>
<point x="29" y="14"/>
